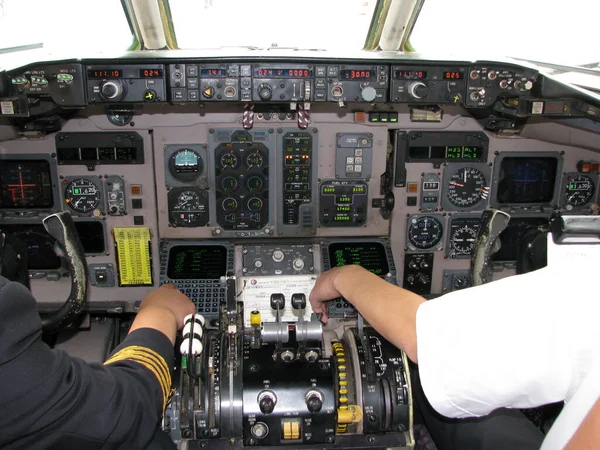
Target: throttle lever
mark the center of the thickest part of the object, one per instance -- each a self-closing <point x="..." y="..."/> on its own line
<point x="62" y="228"/>
<point x="493" y="222"/>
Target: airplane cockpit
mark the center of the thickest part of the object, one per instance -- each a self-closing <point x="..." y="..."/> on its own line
<point x="239" y="169"/>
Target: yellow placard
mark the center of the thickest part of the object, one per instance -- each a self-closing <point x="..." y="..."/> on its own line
<point x="133" y="252"/>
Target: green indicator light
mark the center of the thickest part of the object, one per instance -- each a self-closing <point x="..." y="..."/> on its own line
<point x="75" y="191"/>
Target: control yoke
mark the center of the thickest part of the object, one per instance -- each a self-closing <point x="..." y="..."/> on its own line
<point x="493" y="222"/>
<point x="68" y="246"/>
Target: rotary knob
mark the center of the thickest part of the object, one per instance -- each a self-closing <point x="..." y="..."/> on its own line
<point x="418" y="90"/>
<point x="278" y="256"/>
<point x="111" y="90"/>
<point x="265" y="92"/>
<point x="368" y="94"/>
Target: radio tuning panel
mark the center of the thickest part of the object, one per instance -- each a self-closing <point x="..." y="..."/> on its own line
<point x="244" y="187"/>
<point x="277" y="83"/>
<point x="428" y="84"/>
<point x="298" y="176"/>
<point x="126" y="84"/>
<point x="352" y="84"/>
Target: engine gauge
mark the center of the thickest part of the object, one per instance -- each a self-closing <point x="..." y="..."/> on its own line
<point x="82" y="195"/>
<point x="254" y="160"/>
<point x="579" y="190"/>
<point x="229" y="184"/>
<point x="255" y="183"/>
<point x="463" y="235"/>
<point x="186" y="164"/>
<point x="424" y="231"/>
<point x="466" y="187"/>
<point x="188" y="207"/>
<point x="229" y="160"/>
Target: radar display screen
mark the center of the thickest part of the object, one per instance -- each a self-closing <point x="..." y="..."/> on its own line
<point x="527" y="180"/>
<point x="25" y="184"/>
<point x="198" y="262"/>
<point x="369" y="255"/>
<point x="41" y="254"/>
<point x="511" y="236"/>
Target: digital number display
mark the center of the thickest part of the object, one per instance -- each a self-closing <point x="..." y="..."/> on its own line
<point x="276" y="72"/>
<point x="370" y="255"/>
<point x="527" y="180"/>
<point x="206" y="262"/>
<point x="361" y="75"/>
<point x="213" y="73"/>
<point x="151" y="73"/>
<point x="410" y="74"/>
<point x="453" y="152"/>
<point x="431" y="186"/>
<point x="453" y="75"/>
<point x="25" y="184"/>
<point x="100" y="74"/>
<point x="472" y="152"/>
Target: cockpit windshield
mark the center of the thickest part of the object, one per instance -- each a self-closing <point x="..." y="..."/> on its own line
<point x="68" y="28"/>
<point x="307" y="24"/>
<point x="559" y="33"/>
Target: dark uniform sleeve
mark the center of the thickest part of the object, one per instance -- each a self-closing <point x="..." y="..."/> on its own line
<point x="49" y="400"/>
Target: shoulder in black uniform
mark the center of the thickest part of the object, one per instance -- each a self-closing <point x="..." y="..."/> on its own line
<point x="49" y="400"/>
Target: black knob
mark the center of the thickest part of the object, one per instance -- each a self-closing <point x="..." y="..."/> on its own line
<point x="298" y="301"/>
<point x="314" y="404"/>
<point x="110" y="90"/>
<point x="418" y="89"/>
<point x="277" y="301"/>
<point x="265" y="92"/>
<point x="266" y="404"/>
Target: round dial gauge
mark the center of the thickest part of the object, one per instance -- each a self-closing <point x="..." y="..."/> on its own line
<point x="255" y="204"/>
<point x="255" y="183"/>
<point x="186" y="164"/>
<point x="254" y="160"/>
<point x="466" y="187"/>
<point x="462" y="240"/>
<point x="579" y="190"/>
<point x="230" y="204"/>
<point x="188" y="209"/>
<point x="82" y="195"/>
<point x="229" y="184"/>
<point x="229" y="160"/>
<point x="424" y="232"/>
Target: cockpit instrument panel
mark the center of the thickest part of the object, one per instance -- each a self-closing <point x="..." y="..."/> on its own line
<point x="526" y="180"/>
<point x="462" y="234"/>
<point x="374" y="255"/>
<point x="343" y="203"/>
<point x="578" y="190"/>
<point x="242" y="180"/>
<point x="425" y="232"/>
<point x="466" y="186"/>
<point x="198" y="269"/>
<point x="26" y="184"/>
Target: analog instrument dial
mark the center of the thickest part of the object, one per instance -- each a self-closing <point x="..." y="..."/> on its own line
<point x="579" y="190"/>
<point x="424" y="232"/>
<point x="82" y="195"/>
<point x="466" y="187"/>
<point x="186" y="164"/>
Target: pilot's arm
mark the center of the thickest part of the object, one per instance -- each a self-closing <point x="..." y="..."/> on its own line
<point x="519" y="342"/>
<point x="50" y="400"/>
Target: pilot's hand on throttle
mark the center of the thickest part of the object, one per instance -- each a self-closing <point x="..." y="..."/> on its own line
<point x="326" y="289"/>
<point x="168" y="297"/>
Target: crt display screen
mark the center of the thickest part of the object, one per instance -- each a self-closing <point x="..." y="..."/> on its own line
<point x="511" y="236"/>
<point x="41" y="255"/>
<point x="199" y="262"/>
<point x="527" y="180"/>
<point x="25" y="184"/>
<point x="370" y="255"/>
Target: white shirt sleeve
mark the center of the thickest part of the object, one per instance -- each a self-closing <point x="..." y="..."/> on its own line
<point x="487" y="347"/>
<point x="519" y="342"/>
